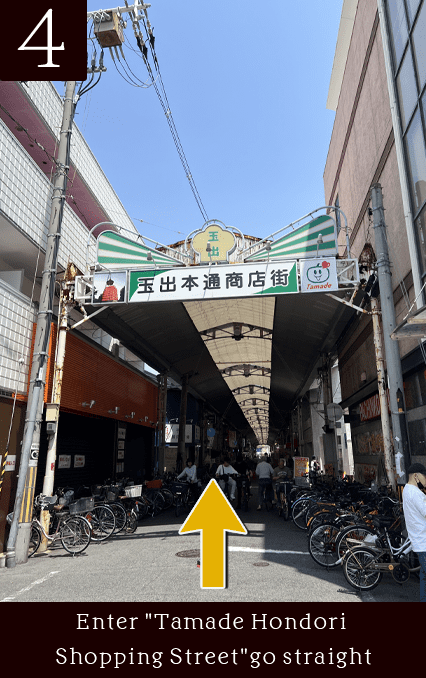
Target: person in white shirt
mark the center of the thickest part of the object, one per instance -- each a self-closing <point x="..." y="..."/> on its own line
<point x="227" y="469"/>
<point x="414" y="506"/>
<point x="189" y="473"/>
<point x="264" y="472"/>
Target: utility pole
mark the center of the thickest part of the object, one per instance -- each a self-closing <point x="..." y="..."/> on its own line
<point x="17" y="546"/>
<point x="393" y="360"/>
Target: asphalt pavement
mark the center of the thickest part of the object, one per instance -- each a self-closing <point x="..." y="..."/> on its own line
<point x="270" y="563"/>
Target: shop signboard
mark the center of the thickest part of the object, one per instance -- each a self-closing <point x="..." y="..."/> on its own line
<point x="218" y="282"/>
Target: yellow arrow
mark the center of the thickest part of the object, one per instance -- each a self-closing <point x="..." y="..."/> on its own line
<point x="213" y="516"/>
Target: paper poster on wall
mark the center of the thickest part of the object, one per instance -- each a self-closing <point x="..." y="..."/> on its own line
<point x="121" y="434"/>
<point x="64" y="461"/>
<point x="301" y="466"/>
<point x="172" y="433"/>
<point x="10" y="462"/>
<point x="121" y="444"/>
<point x="120" y="454"/>
<point x="79" y="460"/>
<point x="119" y="468"/>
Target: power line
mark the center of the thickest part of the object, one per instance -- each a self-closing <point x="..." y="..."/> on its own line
<point x="132" y="79"/>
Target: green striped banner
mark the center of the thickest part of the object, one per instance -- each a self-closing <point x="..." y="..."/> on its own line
<point x="115" y="251"/>
<point x="302" y="242"/>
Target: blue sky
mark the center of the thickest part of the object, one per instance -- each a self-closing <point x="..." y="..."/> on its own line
<point x="247" y="84"/>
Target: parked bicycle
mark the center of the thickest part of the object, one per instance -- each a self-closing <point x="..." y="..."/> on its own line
<point x="363" y="566"/>
<point x="72" y="530"/>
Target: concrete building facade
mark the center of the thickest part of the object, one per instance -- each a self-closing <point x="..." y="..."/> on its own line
<point x="378" y="92"/>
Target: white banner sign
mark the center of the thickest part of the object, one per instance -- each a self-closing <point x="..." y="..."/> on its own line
<point x="213" y="282"/>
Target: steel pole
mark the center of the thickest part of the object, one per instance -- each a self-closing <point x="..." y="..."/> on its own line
<point x="17" y="546"/>
<point x="393" y="360"/>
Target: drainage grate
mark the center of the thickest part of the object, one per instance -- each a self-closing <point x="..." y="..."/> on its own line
<point x="260" y="563"/>
<point x="192" y="553"/>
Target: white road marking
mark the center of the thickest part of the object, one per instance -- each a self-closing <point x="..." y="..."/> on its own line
<point x="30" y="586"/>
<point x="251" y="550"/>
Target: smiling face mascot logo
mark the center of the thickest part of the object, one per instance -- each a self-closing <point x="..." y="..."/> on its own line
<point x="319" y="273"/>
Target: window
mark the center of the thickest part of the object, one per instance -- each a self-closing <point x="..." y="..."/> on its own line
<point x="412" y="6"/>
<point x="419" y="46"/>
<point x="407" y="28"/>
<point x="407" y="90"/>
<point x="421" y="231"/>
<point x="416" y="153"/>
<point x="399" y="27"/>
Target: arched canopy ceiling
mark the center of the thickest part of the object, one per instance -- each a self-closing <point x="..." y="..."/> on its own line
<point x="277" y="370"/>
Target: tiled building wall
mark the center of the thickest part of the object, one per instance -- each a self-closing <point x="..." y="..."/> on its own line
<point x="16" y="326"/>
<point x="48" y="102"/>
<point x="25" y="198"/>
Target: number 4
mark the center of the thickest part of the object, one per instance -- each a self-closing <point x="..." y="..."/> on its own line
<point x="49" y="47"/>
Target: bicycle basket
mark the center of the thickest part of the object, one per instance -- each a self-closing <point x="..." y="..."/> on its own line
<point x="82" y="505"/>
<point x="133" y="491"/>
<point x="112" y="492"/>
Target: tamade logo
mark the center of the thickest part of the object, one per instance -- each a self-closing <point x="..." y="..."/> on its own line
<point x="319" y="273"/>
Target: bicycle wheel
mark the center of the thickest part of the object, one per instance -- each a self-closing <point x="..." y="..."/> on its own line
<point x="35" y="540"/>
<point x="322" y="545"/>
<point x="168" y="496"/>
<point x="315" y="520"/>
<point x="102" y="522"/>
<point x="75" y="534"/>
<point x="120" y="516"/>
<point x="359" y="568"/>
<point x="350" y="537"/>
<point x="132" y="522"/>
<point x="142" y="507"/>
<point x="299" y="511"/>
